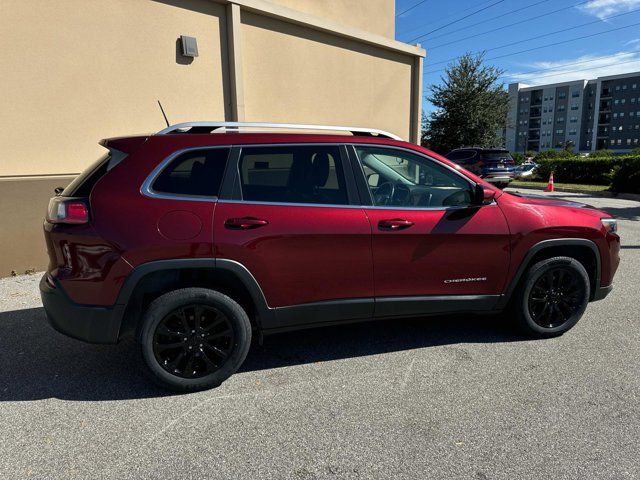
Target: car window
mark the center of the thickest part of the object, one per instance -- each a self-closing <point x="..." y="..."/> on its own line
<point x="403" y="179"/>
<point x="496" y="156"/>
<point x="462" y="157"/>
<point x="197" y="172"/>
<point x="293" y="174"/>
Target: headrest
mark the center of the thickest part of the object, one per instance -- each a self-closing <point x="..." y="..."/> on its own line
<point x="320" y="169"/>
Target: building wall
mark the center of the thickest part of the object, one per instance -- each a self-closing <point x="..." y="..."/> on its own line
<point x="376" y="16"/>
<point x="293" y="74"/>
<point x="607" y="114"/>
<point x="77" y="71"/>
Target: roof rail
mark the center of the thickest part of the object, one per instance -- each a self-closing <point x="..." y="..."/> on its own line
<point x="210" y="127"/>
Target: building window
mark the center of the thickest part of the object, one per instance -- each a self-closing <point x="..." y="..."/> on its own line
<point x="628" y="141"/>
<point x="633" y="100"/>
<point x="559" y="131"/>
<point x="624" y="87"/>
<point x="621" y="114"/>
<point x="635" y="141"/>
<point x="560" y="120"/>
<point x="615" y="115"/>
<point x="575" y="93"/>
<point x="561" y="108"/>
<point x="613" y="142"/>
<point x="573" y="119"/>
<point x="623" y="101"/>
<point x="562" y="95"/>
<point x="617" y="88"/>
<point x="634" y="86"/>
<point x="574" y="106"/>
<point x="573" y="131"/>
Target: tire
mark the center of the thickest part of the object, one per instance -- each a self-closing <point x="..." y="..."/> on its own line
<point x="552" y="297"/>
<point x="172" y="328"/>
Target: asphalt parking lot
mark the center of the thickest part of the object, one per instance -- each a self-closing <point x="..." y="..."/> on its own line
<point x="446" y="397"/>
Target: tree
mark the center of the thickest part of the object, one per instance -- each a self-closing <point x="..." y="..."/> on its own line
<point x="471" y="106"/>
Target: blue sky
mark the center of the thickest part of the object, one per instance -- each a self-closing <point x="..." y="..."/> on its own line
<point x="616" y="51"/>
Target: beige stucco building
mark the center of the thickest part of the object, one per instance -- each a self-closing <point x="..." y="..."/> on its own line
<point x="76" y="71"/>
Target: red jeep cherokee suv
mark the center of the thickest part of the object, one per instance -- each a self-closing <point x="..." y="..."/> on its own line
<point x="204" y="235"/>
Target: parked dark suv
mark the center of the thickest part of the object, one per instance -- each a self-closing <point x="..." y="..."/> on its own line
<point x="200" y="238"/>
<point x="494" y="165"/>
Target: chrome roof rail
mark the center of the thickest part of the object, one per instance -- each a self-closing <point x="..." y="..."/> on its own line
<point x="209" y="127"/>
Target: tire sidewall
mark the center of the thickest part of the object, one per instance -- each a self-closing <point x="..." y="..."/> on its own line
<point x="538" y="270"/>
<point x="168" y="302"/>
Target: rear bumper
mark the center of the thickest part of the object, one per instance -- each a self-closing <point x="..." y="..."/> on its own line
<point x="85" y="322"/>
<point x="601" y="292"/>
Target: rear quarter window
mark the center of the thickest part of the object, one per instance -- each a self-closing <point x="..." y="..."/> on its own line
<point x="194" y="173"/>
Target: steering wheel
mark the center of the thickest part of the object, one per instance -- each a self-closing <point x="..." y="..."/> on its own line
<point x="384" y="193"/>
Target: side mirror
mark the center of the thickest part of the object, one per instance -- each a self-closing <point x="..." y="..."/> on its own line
<point x="483" y="196"/>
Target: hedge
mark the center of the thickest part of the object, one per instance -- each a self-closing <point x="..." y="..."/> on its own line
<point x="594" y="171"/>
<point x="626" y="176"/>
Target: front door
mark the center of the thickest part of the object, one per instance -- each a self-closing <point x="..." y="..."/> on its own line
<point x="428" y="242"/>
<point x="297" y="228"/>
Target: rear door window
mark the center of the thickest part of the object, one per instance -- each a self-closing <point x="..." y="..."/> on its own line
<point x="193" y="173"/>
<point x="293" y="174"/>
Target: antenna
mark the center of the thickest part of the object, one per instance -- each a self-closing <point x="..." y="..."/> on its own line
<point x="163" y="114"/>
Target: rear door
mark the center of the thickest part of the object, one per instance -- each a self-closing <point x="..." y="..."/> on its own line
<point x="427" y="240"/>
<point x="294" y="222"/>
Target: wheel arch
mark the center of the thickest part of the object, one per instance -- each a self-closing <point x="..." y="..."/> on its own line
<point x="149" y="280"/>
<point x="582" y="249"/>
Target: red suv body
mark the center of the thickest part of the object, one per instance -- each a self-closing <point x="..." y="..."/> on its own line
<point x="301" y="230"/>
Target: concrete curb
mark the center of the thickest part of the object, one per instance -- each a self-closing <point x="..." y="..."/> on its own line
<point x="605" y="193"/>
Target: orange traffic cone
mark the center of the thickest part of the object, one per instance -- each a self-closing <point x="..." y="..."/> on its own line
<point x="550" y="184"/>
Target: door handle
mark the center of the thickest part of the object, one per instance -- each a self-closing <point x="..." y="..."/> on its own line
<point x="394" y="224"/>
<point x="245" y="223"/>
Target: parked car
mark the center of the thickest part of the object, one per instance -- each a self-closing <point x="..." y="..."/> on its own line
<point x="493" y="165"/>
<point x="525" y="169"/>
<point x="202" y="237"/>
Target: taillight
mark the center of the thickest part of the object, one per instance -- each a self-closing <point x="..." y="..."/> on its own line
<point x="67" y="210"/>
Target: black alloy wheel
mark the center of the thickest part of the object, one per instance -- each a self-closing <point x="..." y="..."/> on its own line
<point x="551" y="298"/>
<point x="193" y="338"/>
<point x="556" y="297"/>
<point x="193" y="341"/>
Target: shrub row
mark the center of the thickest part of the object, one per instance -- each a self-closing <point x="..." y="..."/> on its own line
<point x="621" y="173"/>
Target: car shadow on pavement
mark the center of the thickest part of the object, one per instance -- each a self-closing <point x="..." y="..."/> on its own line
<point x="37" y="362"/>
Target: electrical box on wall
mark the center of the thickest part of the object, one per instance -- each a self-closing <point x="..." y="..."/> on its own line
<point x="189" y="46"/>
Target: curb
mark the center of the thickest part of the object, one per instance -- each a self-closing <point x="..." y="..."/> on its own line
<point x="604" y="193"/>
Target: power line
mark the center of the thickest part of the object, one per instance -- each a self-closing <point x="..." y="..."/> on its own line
<point x="548" y="34"/>
<point x="456" y="21"/>
<point x="561" y="66"/>
<point x="637" y="60"/>
<point x="495" y="18"/>
<point x="419" y="27"/>
<point x="505" y="26"/>
<point x="410" y="8"/>
<point x="543" y="46"/>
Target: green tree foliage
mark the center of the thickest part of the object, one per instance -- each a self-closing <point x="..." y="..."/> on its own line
<point x="471" y="106"/>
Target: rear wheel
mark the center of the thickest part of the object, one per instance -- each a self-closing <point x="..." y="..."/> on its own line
<point x="194" y="338"/>
<point x="552" y="297"/>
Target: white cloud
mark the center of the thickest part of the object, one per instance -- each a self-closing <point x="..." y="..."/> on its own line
<point x="584" y="67"/>
<point x="605" y="8"/>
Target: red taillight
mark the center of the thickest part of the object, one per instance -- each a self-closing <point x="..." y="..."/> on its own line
<point x="67" y="210"/>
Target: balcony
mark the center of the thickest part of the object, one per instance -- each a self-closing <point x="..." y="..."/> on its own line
<point x="606" y="93"/>
<point x="535" y="112"/>
<point x="604" y="119"/>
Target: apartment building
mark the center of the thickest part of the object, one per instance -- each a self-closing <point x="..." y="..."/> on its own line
<point x="583" y="115"/>
<point x="75" y="72"/>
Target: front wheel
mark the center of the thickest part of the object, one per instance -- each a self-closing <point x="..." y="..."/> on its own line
<point x="552" y="297"/>
<point x="194" y="338"/>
